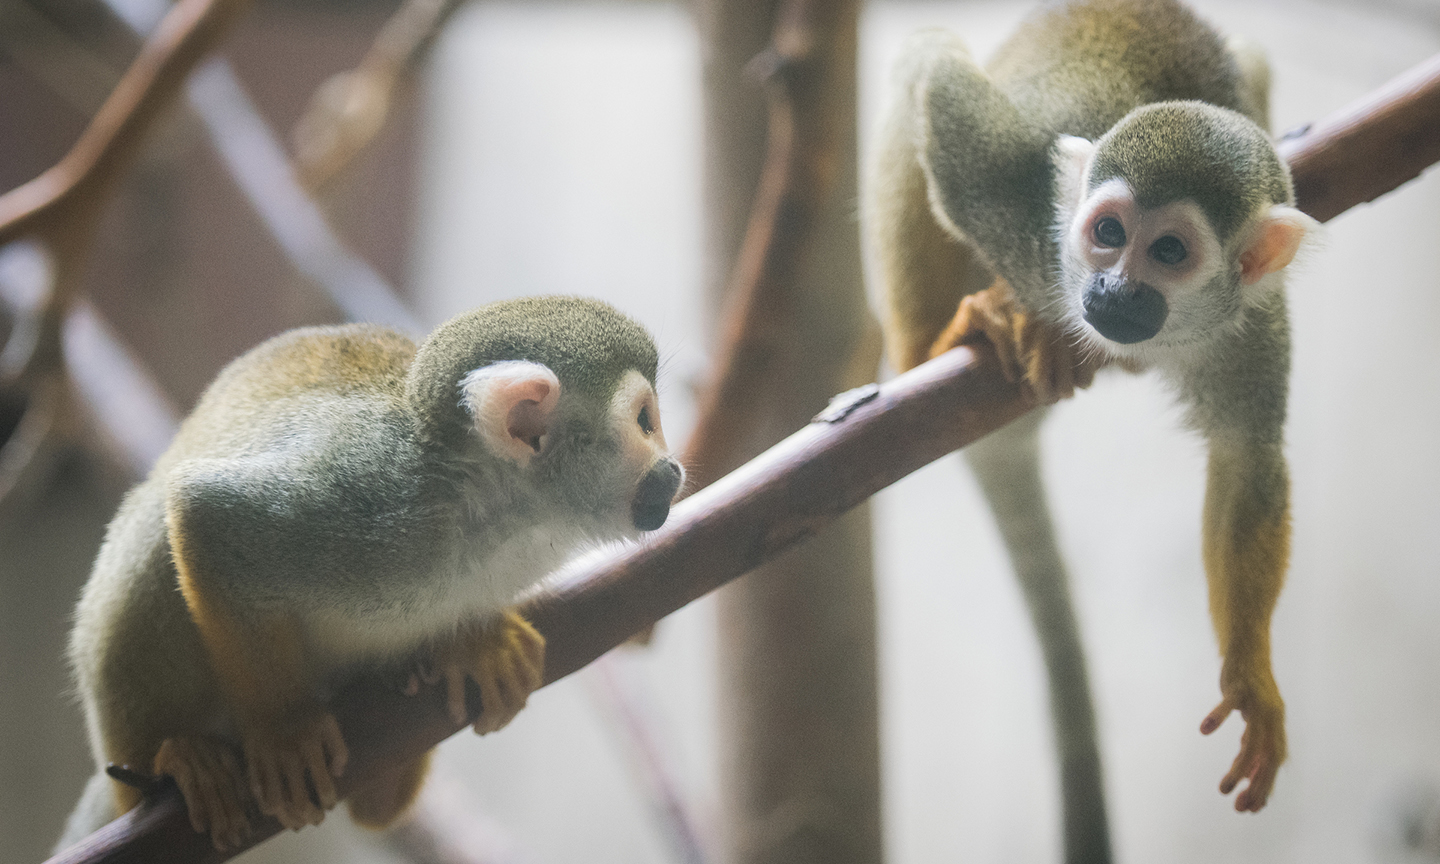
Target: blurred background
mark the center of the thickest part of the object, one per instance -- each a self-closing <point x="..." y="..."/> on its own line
<point x="557" y="147"/>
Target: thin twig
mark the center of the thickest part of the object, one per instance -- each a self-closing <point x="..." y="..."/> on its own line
<point x="350" y="108"/>
<point x="58" y="210"/>
<point x="873" y="439"/>
<point x="67" y="193"/>
<point x="59" y="207"/>
<point x="660" y="785"/>
<point x="257" y="162"/>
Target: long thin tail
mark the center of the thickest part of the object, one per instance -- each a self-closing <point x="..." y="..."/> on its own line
<point x="1007" y="464"/>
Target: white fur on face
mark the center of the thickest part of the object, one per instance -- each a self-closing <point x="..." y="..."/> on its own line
<point x="1197" y="310"/>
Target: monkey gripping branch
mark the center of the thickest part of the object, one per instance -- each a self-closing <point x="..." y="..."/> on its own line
<point x="866" y="440"/>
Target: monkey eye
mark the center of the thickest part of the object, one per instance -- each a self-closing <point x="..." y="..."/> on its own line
<point x="1168" y="250"/>
<point x="1109" y="232"/>
<point x="644" y="420"/>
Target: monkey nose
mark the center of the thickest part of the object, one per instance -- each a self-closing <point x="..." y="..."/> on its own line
<point x="1124" y="311"/>
<point x="651" y="506"/>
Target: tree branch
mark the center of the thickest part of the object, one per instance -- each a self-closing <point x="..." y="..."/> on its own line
<point x="1375" y="144"/>
<point x="110" y="142"/>
<point x="748" y="517"/>
<point x="350" y="108"/>
<point x="59" y="210"/>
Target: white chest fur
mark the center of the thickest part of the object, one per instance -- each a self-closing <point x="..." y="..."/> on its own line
<point x="469" y="587"/>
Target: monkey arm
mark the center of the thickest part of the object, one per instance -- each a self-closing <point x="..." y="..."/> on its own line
<point x="924" y="269"/>
<point x="1246" y="548"/>
<point x="990" y="169"/>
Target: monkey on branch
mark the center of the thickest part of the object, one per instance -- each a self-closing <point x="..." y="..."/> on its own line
<point x="340" y="503"/>
<point x="1105" y="193"/>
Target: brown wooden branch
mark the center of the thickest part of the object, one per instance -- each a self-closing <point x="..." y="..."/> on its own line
<point x="66" y="193"/>
<point x="59" y="207"/>
<point x="799" y="749"/>
<point x="1369" y="147"/>
<point x="748" y="517"/>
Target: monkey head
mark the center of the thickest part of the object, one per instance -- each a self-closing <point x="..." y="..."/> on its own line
<point x="556" y="395"/>
<point x="1169" y="225"/>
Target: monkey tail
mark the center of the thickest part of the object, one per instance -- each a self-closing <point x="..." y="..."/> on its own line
<point x="1007" y="464"/>
<point x="95" y="809"/>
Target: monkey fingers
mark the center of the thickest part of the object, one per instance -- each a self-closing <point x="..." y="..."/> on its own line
<point x="1262" y="747"/>
<point x="212" y="783"/>
<point x="1034" y="353"/>
<point x="280" y="761"/>
<point x="1053" y="368"/>
<point x="505" y="658"/>
<point x="985" y="315"/>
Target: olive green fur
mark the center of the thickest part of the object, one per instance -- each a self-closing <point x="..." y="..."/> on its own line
<point x="331" y="474"/>
<point x="973" y="181"/>
<point x="1077" y="68"/>
<point x="1215" y="157"/>
<point x="586" y="343"/>
<point x="1094" y="70"/>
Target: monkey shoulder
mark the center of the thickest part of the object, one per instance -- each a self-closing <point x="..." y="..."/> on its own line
<point x="300" y="466"/>
<point x="1240" y="385"/>
<point x="338" y="362"/>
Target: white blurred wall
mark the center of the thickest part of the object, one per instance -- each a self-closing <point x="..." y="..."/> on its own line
<point x="562" y="155"/>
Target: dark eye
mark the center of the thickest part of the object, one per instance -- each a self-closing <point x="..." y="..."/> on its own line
<point x="1168" y="250"/>
<point x="644" y="420"/>
<point x="1109" y="232"/>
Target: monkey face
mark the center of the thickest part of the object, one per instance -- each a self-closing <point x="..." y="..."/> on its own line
<point x="1141" y="274"/>
<point x="653" y="473"/>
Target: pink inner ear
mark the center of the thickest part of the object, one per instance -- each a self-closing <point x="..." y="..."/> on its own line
<point x="1273" y="248"/>
<point x="531" y="401"/>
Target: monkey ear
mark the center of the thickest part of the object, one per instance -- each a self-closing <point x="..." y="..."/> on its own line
<point x="512" y="404"/>
<point x="1070" y="156"/>
<point x="1273" y="243"/>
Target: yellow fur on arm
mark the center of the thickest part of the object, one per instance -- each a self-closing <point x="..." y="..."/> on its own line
<point x="1246" y="542"/>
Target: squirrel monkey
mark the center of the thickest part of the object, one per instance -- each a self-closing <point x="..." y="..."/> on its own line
<point x="341" y="501"/>
<point x="1105" y="192"/>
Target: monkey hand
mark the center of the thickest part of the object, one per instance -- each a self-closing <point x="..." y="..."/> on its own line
<point x="1262" y="745"/>
<point x="1036" y="354"/>
<point x="280" y="756"/>
<point x="506" y="658"/>
<point x="212" y="783"/>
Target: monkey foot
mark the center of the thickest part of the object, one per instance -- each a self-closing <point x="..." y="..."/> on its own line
<point x="1262" y="745"/>
<point x="1036" y="354"/>
<point x="213" y="785"/>
<point x="279" y="761"/>
<point x="506" y="658"/>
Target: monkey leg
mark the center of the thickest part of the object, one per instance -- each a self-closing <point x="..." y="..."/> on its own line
<point x="1007" y="465"/>
<point x="380" y="803"/>
<point x="506" y="658"/>
<point x="1038" y="355"/>
<point x="213" y="784"/>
